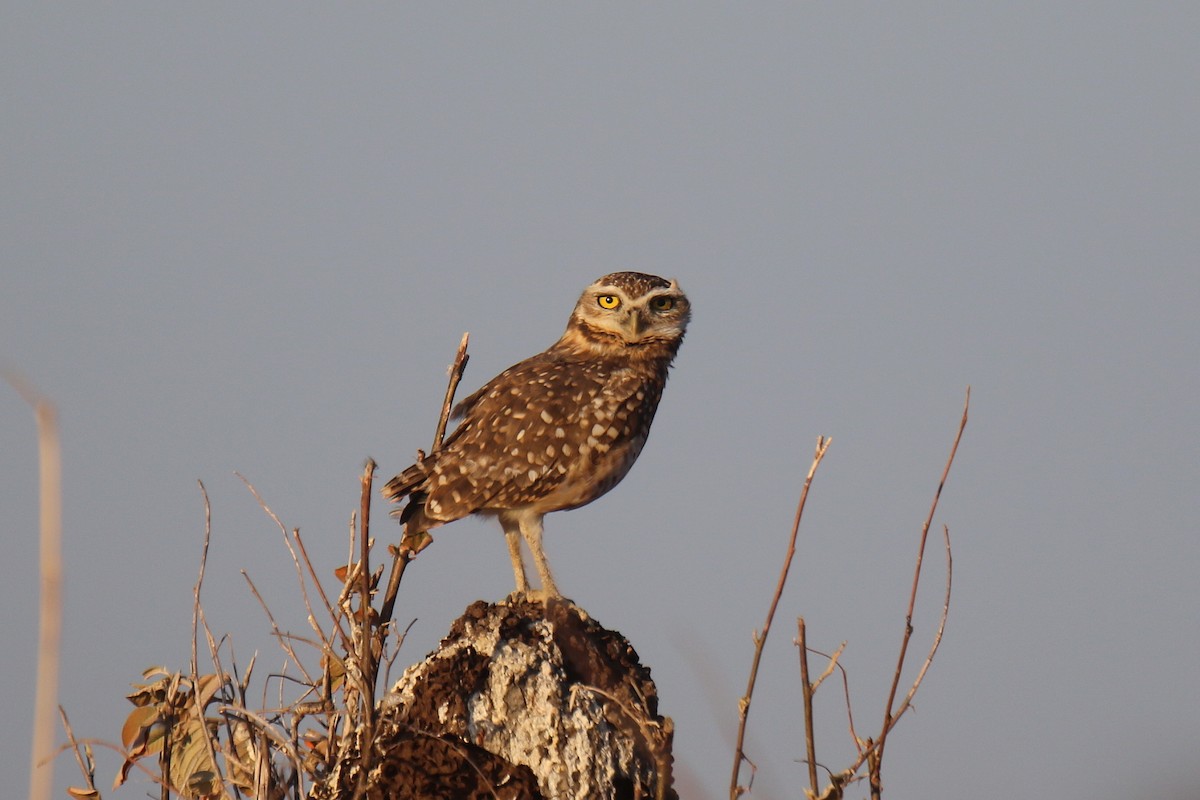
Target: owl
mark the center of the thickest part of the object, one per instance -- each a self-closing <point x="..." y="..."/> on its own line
<point x="559" y="429"/>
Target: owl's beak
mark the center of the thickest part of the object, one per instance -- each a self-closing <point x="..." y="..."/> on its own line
<point x="637" y="324"/>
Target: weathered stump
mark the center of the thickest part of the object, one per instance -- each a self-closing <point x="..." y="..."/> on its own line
<point x="532" y="690"/>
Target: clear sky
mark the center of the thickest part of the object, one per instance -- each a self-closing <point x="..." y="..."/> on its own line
<point x="249" y="237"/>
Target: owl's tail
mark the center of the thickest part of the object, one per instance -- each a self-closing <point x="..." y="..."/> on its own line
<point x="411" y="484"/>
<point x="407" y="482"/>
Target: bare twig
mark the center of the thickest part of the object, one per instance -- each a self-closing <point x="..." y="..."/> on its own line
<point x="200" y="578"/>
<point x="117" y="750"/>
<point x="195" y="677"/>
<point x="263" y="504"/>
<point x="402" y="555"/>
<point x="312" y="573"/>
<point x="391" y="658"/>
<point x="760" y="637"/>
<point x="312" y="620"/>
<point x="297" y="554"/>
<point x="937" y="638"/>
<point x="835" y="664"/>
<point x="806" y="689"/>
<point x="296" y="563"/>
<point x="85" y="760"/>
<point x="368" y="659"/>
<point x="456" y="373"/>
<point x="283" y="639"/>
<point x="868" y="750"/>
<point x="831" y="666"/>
<point x="41" y="766"/>
<point x="366" y="641"/>
<point x="266" y="727"/>
<point x="164" y="755"/>
<point x="888" y="717"/>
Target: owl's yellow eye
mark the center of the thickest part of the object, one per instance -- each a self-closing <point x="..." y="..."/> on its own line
<point x="609" y="301"/>
<point x="662" y="303"/>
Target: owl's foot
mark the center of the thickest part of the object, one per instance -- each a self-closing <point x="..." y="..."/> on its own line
<point x="541" y="596"/>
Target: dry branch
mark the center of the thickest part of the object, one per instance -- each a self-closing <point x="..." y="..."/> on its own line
<point x="196" y="612"/>
<point x="456" y="373"/>
<point x="407" y="550"/>
<point x="889" y="718"/>
<point x="760" y="637"/>
<point x="312" y="576"/>
<point x="85" y="760"/>
<point x="807" y="689"/>
<point x="870" y="751"/>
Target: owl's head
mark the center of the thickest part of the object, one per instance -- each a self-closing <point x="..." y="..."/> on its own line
<point x="631" y="309"/>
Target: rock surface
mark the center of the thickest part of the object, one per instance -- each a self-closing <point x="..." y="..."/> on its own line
<point x="530" y="690"/>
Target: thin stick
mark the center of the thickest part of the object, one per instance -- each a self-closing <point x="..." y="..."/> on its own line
<point x="937" y="638"/>
<point x="312" y="573"/>
<point x="41" y="761"/>
<point x="401" y="555"/>
<point x="299" y="575"/>
<point x="87" y="764"/>
<point x="888" y="717"/>
<point x="265" y="726"/>
<point x="387" y="675"/>
<point x="869" y="752"/>
<point x="200" y="579"/>
<point x="364" y="568"/>
<point x="760" y="638"/>
<point x="285" y="641"/>
<point x="456" y="373"/>
<point x="312" y="620"/>
<point x="195" y="677"/>
<point x="806" y="688"/>
<point x="368" y="664"/>
<point x="833" y="664"/>
<point x="400" y="558"/>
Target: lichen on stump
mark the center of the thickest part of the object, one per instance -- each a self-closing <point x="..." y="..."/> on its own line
<point x="543" y="687"/>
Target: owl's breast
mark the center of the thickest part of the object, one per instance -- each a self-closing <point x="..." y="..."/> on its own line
<point x="548" y="434"/>
<point x="593" y="474"/>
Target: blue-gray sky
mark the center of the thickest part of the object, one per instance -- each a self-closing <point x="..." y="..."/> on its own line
<point x="249" y="237"/>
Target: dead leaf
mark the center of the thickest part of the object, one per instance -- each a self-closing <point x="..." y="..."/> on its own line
<point x="137" y="725"/>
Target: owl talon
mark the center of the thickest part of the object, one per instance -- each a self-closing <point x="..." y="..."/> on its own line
<point x="540" y="596"/>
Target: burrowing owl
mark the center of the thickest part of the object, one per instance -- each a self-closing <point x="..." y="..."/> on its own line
<point x="559" y="429"/>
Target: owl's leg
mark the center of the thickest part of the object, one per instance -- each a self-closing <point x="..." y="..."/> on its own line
<point x="531" y="529"/>
<point x="512" y="535"/>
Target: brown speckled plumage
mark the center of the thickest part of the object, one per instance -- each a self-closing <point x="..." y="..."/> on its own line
<point x="559" y="429"/>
